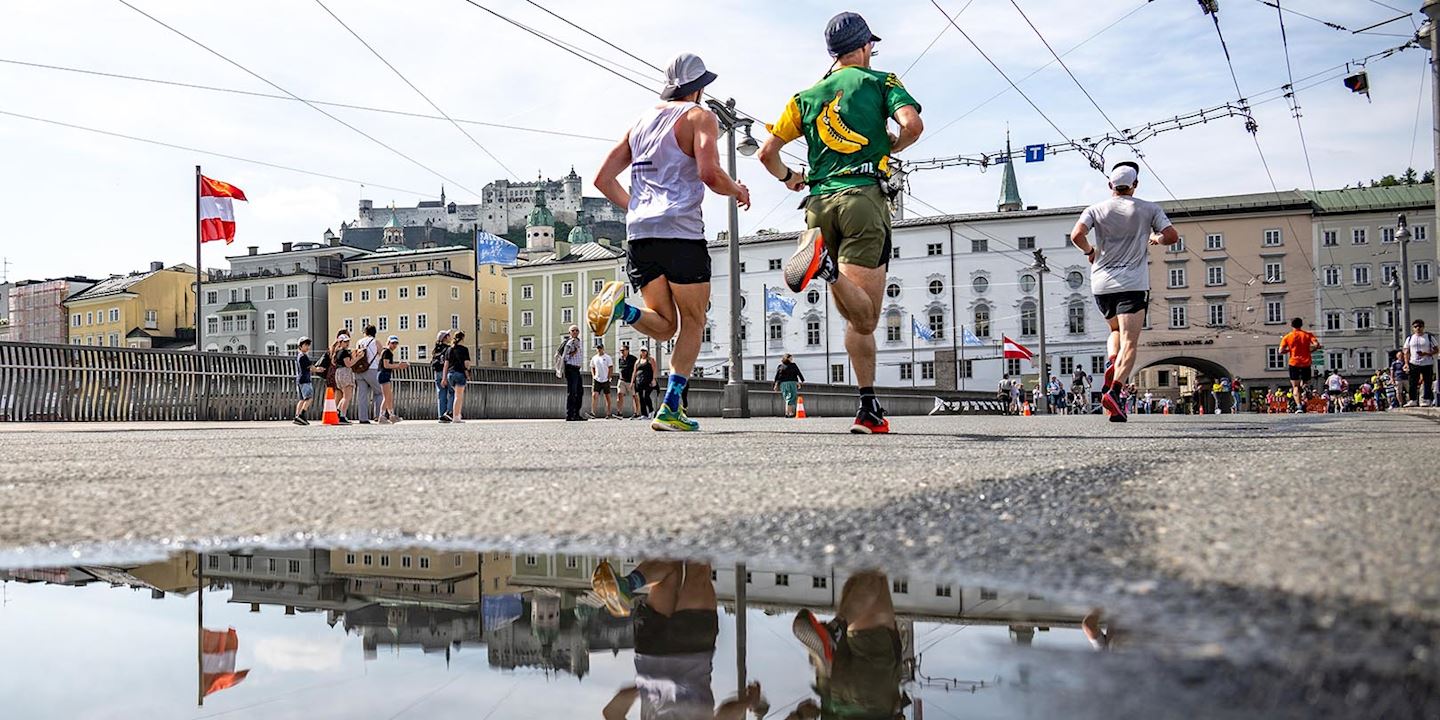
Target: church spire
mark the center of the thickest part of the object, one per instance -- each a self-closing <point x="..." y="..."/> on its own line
<point x="1009" y="187"/>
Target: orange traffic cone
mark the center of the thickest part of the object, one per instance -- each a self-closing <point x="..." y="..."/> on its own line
<point x="332" y="416"/>
<point x="800" y="407"/>
<point x="1202" y="408"/>
<point x="1028" y="413"/>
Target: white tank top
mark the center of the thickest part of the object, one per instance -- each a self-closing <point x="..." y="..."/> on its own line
<point x="665" y="187"/>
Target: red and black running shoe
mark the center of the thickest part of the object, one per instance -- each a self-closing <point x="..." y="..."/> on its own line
<point x="809" y="261"/>
<point x="1114" y="406"/>
<point x="870" y="423"/>
<point x="817" y="637"/>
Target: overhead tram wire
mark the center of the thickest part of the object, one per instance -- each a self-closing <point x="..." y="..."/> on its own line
<point x="289" y="98"/>
<point x="1276" y="4"/>
<point x="212" y="153"/>
<point x="417" y="90"/>
<point x="1419" y="103"/>
<point x="943" y="29"/>
<point x="314" y="107"/>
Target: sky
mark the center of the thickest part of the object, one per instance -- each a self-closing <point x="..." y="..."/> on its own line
<point x="81" y="203"/>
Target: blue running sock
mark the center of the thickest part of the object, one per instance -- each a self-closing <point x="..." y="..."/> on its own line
<point x="673" y="392"/>
<point x="634" y="581"/>
<point x="629" y="313"/>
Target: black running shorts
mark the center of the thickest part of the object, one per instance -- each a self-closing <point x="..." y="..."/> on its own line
<point x="1122" y="303"/>
<point x="683" y="633"/>
<point x="1300" y="372"/>
<point x="682" y="262"/>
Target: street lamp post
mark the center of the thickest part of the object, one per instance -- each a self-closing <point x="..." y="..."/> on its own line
<point x="736" y="401"/>
<point x="1402" y="236"/>
<point x="1431" y="8"/>
<point x="1396" y="321"/>
<point x="1041" y="268"/>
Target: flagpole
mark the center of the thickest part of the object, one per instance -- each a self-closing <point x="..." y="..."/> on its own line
<point x="200" y="630"/>
<point x="765" y="328"/>
<point x="912" y="350"/>
<point x="475" y="273"/>
<point x="199" y="347"/>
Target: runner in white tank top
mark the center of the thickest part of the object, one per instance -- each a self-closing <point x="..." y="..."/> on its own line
<point x="672" y="155"/>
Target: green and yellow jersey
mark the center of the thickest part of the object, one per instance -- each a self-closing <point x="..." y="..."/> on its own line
<point x="842" y="118"/>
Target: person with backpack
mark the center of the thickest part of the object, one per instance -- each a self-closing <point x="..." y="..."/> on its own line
<point x="457" y="364"/>
<point x="388" y="365"/>
<point x="568" y="358"/>
<point x="444" y="394"/>
<point x="1419" y="352"/>
<point x="367" y="374"/>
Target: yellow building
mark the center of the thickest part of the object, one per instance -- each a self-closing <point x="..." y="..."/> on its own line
<point x="435" y="576"/>
<point x="411" y="294"/>
<point x="491" y="341"/>
<point x="154" y="308"/>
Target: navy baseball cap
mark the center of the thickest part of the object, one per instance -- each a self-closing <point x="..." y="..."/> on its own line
<point x="847" y="32"/>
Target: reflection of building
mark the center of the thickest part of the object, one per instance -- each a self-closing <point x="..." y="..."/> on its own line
<point x="146" y="309"/>
<point x="175" y="574"/>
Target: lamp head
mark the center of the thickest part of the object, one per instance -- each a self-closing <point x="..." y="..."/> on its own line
<point x="748" y="145"/>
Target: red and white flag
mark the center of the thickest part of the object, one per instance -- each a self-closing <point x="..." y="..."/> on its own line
<point x="1015" y="350"/>
<point x="217" y="213"/>
<point x="217" y="661"/>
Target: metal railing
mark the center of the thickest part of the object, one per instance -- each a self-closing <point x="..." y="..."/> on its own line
<point x="70" y="383"/>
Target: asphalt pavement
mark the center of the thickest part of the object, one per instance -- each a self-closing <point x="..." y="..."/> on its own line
<point x="1307" y="546"/>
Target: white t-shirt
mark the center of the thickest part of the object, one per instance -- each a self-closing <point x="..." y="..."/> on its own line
<point x="1416" y="344"/>
<point x="1120" y="229"/>
<point x="600" y="367"/>
<point x="1334" y="383"/>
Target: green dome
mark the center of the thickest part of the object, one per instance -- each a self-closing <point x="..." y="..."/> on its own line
<point x="393" y="223"/>
<point x="541" y="215"/>
<point x="579" y="234"/>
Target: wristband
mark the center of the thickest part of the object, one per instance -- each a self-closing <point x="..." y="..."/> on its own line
<point x="788" y="174"/>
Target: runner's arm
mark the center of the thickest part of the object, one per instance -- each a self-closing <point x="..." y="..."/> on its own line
<point x="1078" y="238"/>
<point x="620" y="704"/>
<point x="606" y="178"/>
<point x="1168" y="236"/>
<point x="707" y="158"/>
<point x="782" y="131"/>
<point x="910" y="128"/>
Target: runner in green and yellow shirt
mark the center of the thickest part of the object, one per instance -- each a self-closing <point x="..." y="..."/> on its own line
<point x="843" y="119"/>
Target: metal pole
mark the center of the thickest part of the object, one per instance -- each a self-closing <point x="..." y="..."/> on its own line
<point x="199" y="347"/>
<point x="912" y="350"/>
<point x="1402" y="235"/>
<point x="1396" y="322"/>
<point x="765" y="328"/>
<point x="1431" y="8"/>
<point x="826" y="375"/>
<point x="957" y="349"/>
<point x="740" y="639"/>
<point x="736" y="399"/>
<point x="1040" y="269"/>
<point x="200" y="630"/>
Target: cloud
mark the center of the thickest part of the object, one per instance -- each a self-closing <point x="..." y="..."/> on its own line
<point x="284" y="654"/>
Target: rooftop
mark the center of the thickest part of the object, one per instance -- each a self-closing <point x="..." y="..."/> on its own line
<point x="1366" y="199"/>
<point x="407" y="274"/>
<point x="122" y="283"/>
<point x="578" y="253"/>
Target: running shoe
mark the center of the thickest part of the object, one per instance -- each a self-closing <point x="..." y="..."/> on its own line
<point x="809" y="262"/>
<point x="817" y="637"/>
<point x="1113" y="406"/>
<point x="868" y="423"/>
<point x="612" y="589"/>
<point x="300" y="421"/>
<point x="606" y="306"/>
<point x="673" y="421"/>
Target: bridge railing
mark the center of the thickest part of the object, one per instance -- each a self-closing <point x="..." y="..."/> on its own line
<point x="41" y="382"/>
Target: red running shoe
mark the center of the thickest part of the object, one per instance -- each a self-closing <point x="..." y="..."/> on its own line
<point x="868" y="423"/>
<point x="1113" y="406"/>
<point x="809" y="261"/>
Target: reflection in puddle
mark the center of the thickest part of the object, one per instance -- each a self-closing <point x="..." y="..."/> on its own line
<point x="431" y="633"/>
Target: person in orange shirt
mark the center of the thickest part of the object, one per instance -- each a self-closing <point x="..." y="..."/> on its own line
<point x="1299" y="343"/>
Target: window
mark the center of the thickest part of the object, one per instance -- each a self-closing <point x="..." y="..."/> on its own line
<point x="292" y="290"/>
<point x="777" y="330"/>
<point x="812" y="332"/>
<point x="567" y="315"/>
<point x="967" y="368"/>
<point x="892" y="327"/>
<point x="1333" y="321"/>
<point x="775" y="263"/>
<point x="382" y="294"/>
<point x="1178" y="317"/>
<point x="907" y="371"/>
<point x="1388" y="272"/>
<point x="1067" y="365"/>
<point x="1365" y="359"/>
<point x="1331" y="276"/>
<point x="384" y="561"/>
<point x="982" y="321"/>
<point x="1337" y="360"/>
<point x="567" y="289"/>
<point x="454" y="322"/>
<point x="1387" y="235"/>
<point x="114" y="315"/>
<point x="422" y="321"/>
<point x="403" y="322"/>
<point x="934" y="249"/>
<point x="211" y="297"/>
<point x="1012" y="366"/>
<point x="936" y="287"/>
<point x="707" y="336"/>
<point x="894" y="252"/>
<point x="1215" y="241"/>
<point x="1274" y="271"/>
<point x="1177" y="277"/>
<point x="1217" y="314"/>
<point x="1027" y="283"/>
<point x="1027" y="318"/>
<point x="1076" y="320"/>
<point x="742" y="266"/>
<point x="744" y="334"/>
<point x="1422" y="272"/>
<point x="90" y="318"/>
<point x="819" y="582"/>
<point x="527" y="318"/>
<point x="1390" y="319"/>
<point x="1274" y="311"/>
<point x="527" y="343"/>
<point x="1074" y="279"/>
<point x="1361" y="274"/>
<point x="364" y="296"/>
<point x="782" y="580"/>
<point x="1214" y="275"/>
<point x="454" y="291"/>
<point x="403" y="292"/>
<point x="364" y="323"/>
<point x="1364" y="319"/>
<point x="405" y="561"/>
<point x="270" y="321"/>
<point x="1179" y="247"/>
<point x="1272" y="238"/>
<point x="1357" y="236"/>
<point x="212" y="325"/>
<point x="1097" y="365"/>
<point x="292" y="319"/>
<point x="892" y="290"/>
<point x="349" y="325"/>
<point x="943" y="591"/>
<point x="1329" y="238"/>
<point x="1417" y="233"/>
<point x="837" y="374"/>
<point x="937" y="323"/>
<point x="419" y="352"/>
<point x="75" y="320"/>
<point x="571" y="562"/>
<point x="382" y="323"/>
<point x="404" y="353"/>
<point x="367" y="559"/>
<point x="979" y="245"/>
<point x="1027" y="243"/>
<point x="759" y="371"/>
<point x="980" y="284"/>
<point x="927" y="370"/>
<point x="421" y="291"/>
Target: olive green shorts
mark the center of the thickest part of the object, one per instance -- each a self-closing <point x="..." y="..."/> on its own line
<point x="855" y="223"/>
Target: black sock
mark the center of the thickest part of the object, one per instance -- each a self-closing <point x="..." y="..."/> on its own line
<point x="868" y="401"/>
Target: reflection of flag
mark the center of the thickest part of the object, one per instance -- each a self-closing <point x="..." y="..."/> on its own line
<point x="217" y="661"/>
<point x="217" y="211"/>
<point x="922" y="332"/>
<point x="776" y="304"/>
<point x="968" y="338"/>
<point x="1014" y="350"/>
<point x="494" y="249"/>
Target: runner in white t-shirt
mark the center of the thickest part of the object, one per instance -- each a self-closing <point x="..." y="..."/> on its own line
<point x="600" y="367"/>
<point x="1420" y="350"/>
<point x="1125" y="226"/>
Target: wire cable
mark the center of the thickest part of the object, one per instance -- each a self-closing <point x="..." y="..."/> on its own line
<point x="314" y="107"/>
<point x="417" y="90"/>
<point x="943" y="29"/>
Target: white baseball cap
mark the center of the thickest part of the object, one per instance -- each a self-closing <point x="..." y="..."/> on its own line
<point x="1123" y="176"/>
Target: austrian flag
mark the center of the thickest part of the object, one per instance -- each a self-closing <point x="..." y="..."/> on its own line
<point x="1016" y="351"/>
<point x="217" y="214"/>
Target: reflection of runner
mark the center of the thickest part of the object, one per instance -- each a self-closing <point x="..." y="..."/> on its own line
<point x="676" y="624"/>
<point x="857" y="655"/>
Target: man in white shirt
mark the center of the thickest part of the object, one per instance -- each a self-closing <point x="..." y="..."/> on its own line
<point x="1125" y="226"/>
<point x="1419" y="354"/>
<point x="600" y="367"/>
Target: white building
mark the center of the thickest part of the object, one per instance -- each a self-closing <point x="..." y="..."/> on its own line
<point x="266" y="302"/>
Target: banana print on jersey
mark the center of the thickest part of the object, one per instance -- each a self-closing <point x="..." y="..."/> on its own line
<point x="834" y="132"/>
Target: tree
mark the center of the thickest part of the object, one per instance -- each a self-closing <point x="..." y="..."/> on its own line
<point x="1409" y="177"/>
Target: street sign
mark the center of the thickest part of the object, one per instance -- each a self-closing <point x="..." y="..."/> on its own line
<point x="1318" y="361"/>
<point x="1034" y="153"/>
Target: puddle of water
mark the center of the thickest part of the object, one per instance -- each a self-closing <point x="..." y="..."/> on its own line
<point x="426" y="633"/>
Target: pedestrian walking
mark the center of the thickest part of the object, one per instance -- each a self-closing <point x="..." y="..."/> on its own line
<point x="843" y="119"/>
<point x="1420" y="351"/>
<point x="457" y="364"/>
<point x="787" y="381"/>
<point x="601" y="367"/>
<point x="1400" y="379"/>
<point x="444" y="394"/>
<point x="672" y="153"/>
<point x="1002" y="393"/>
<point x="645" y="383"/>
<point x="626" y="399"/>
<point x="1125" y="226"/>
<point x="388" y="365"/>
<point x="1299" y="344"/>
<point x="568" y="358"/>
<point x="303" y="381"/>
<point x="367" y="375"/>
